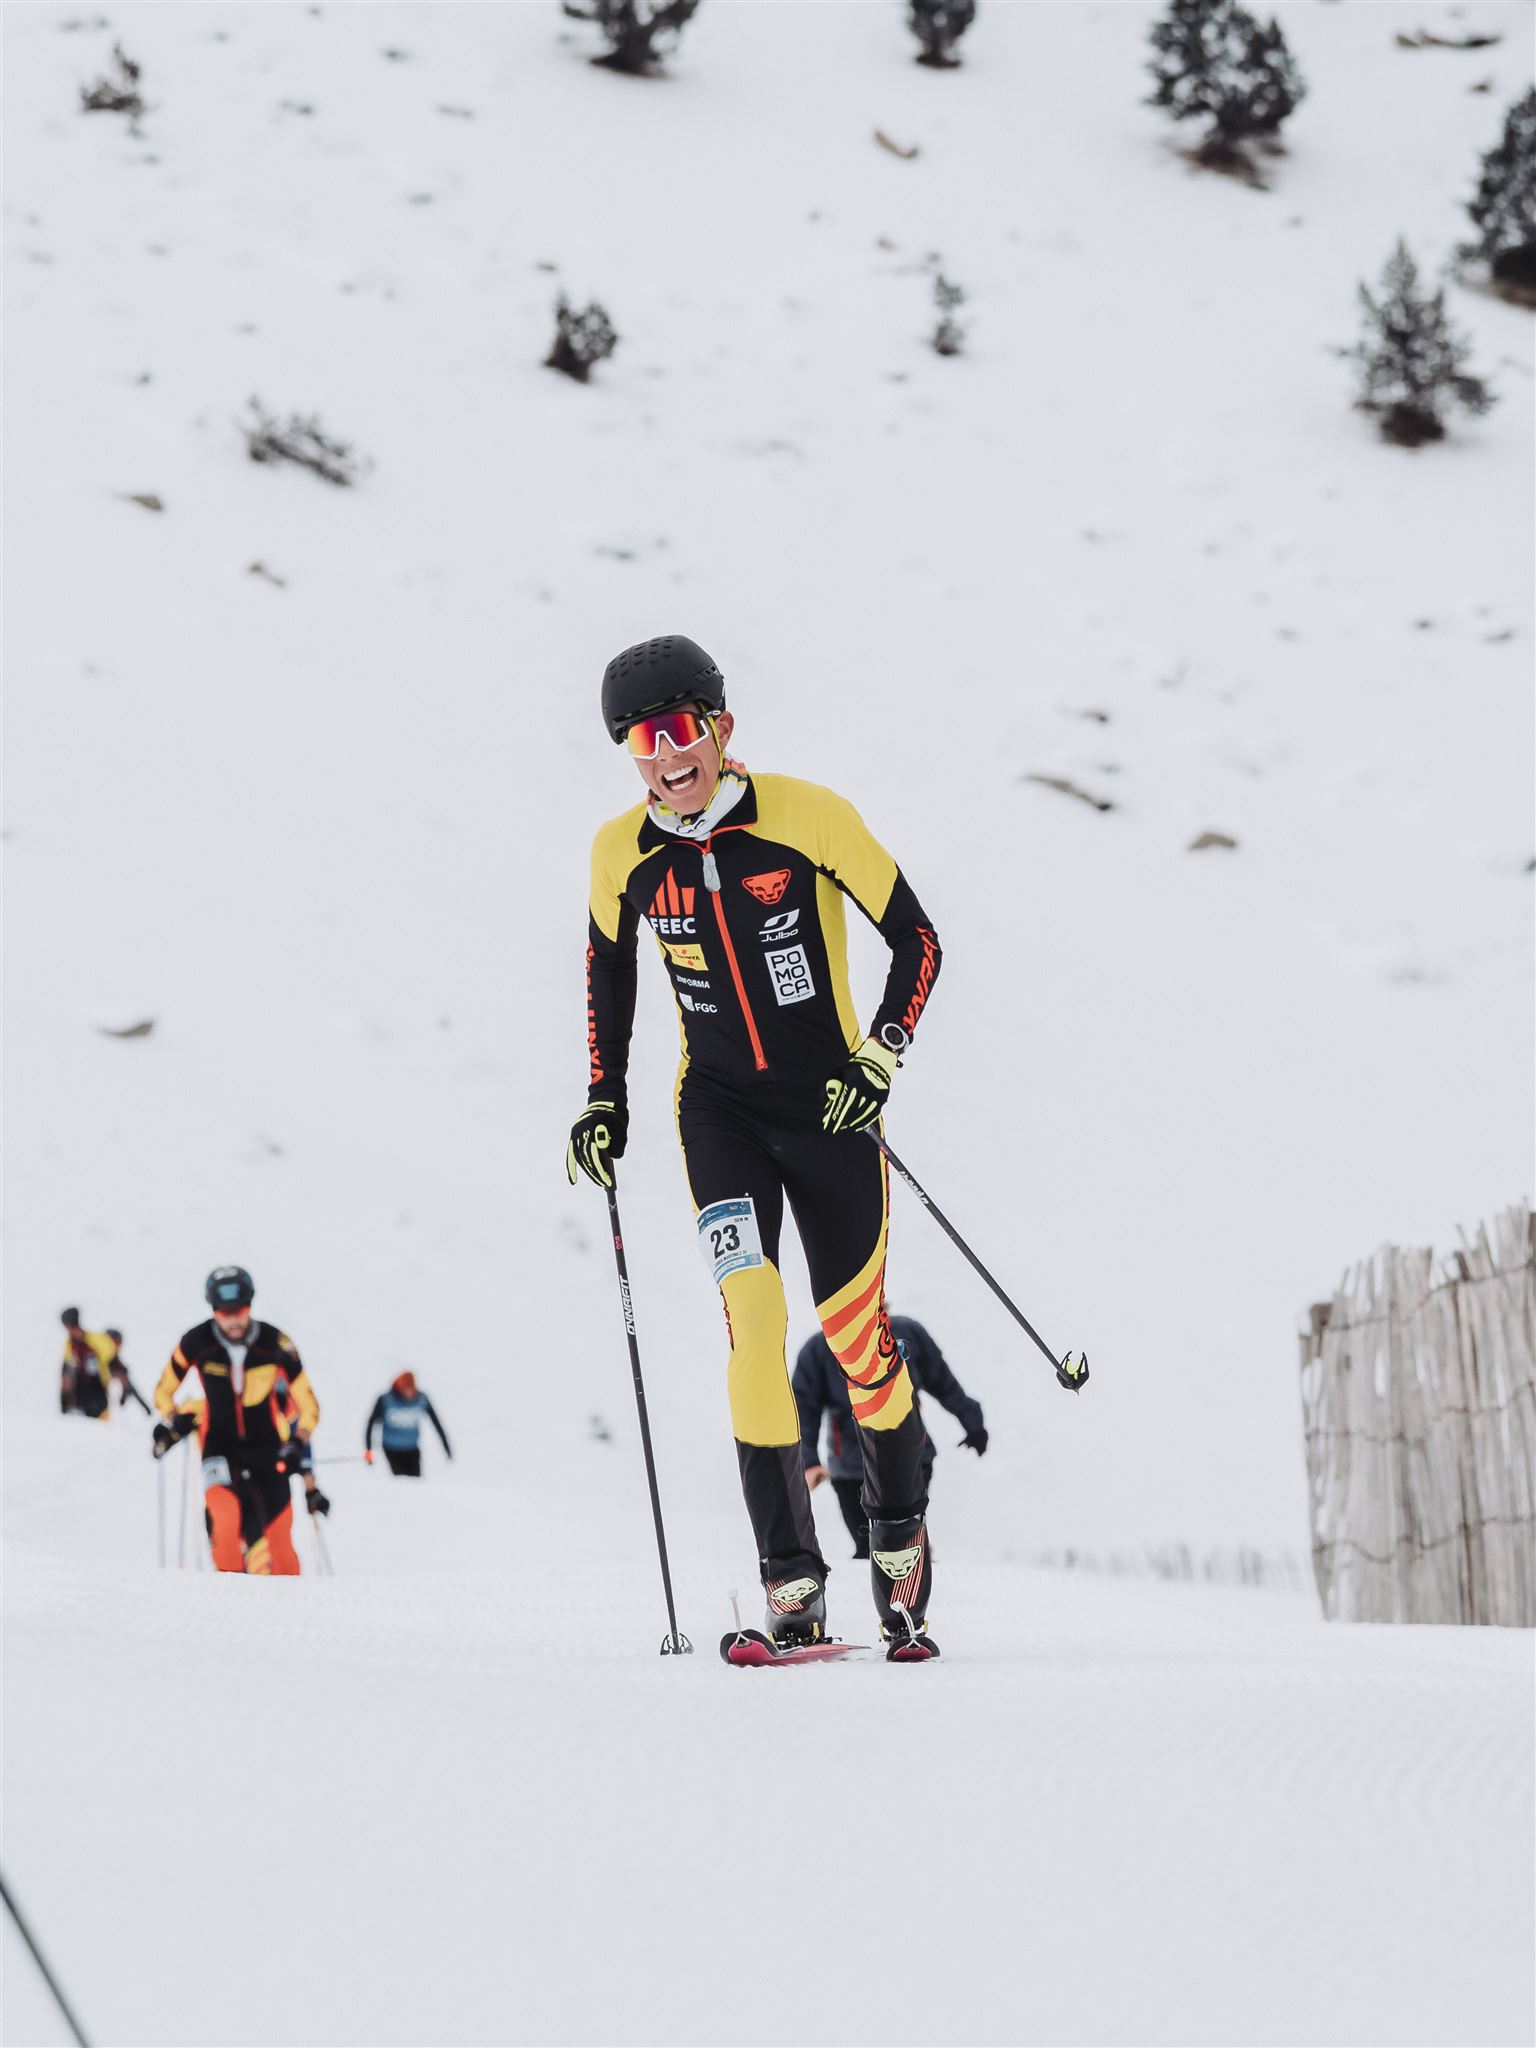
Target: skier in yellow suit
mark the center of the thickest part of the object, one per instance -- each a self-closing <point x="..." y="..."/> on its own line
<point x="743" y="880"/>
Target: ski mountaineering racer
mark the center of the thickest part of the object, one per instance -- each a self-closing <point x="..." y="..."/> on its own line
<point x="742" y="880"/>
<point x="399" y="1415"/>
<point x="250" y="1450"/>
<point x="85" y="1374"/>
<point x="821" y="1390"/>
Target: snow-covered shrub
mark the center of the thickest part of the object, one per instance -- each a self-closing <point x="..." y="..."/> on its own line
<point x="1213" y="61"/>
<point x="638" y="32"/>
<point x="1503" y="209"/>
<point x="117" y="90"/>
<point x="1412" y="366"/>
<point x="581" y="339"/>
<point x="938" y="26"/>
<point x="948" y="337"/>
<point x="301" y="439"/>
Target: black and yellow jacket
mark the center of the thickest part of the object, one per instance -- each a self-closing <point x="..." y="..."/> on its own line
<point x="254" y="1417"/>
<point x="746" y="904"/>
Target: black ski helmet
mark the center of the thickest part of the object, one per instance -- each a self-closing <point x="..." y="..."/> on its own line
<point x="229" y="1287"/>
<point x="658" y="675"/>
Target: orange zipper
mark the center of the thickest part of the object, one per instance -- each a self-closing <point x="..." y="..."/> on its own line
<point x="730" y="953"/>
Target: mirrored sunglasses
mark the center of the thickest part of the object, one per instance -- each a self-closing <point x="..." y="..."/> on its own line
<point x="684" y="729"/>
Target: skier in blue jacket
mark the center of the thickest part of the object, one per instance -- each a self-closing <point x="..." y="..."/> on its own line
<point x="821" y="1390"/>
<point x="399" y="1415"/>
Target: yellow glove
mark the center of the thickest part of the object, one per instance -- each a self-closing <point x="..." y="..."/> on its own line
<point x="598" y="1135"/>
<point x="856" y="1095"/>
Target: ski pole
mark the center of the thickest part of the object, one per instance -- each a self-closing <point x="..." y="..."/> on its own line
<point x="326" y="1571"/>
<point x="37" y="1956"/>
<point x="160" y="1504"/>
<point x="675" y="1645"/>
<point x="352" y="1458"/>
<point x="181" y="1541"/>
<point x="1073" y="1377"/>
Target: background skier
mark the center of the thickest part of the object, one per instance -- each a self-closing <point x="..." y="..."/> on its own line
<point x="85" y="1372"/>
<point x="249" y="1448"/>
<point x="399" y="1414"/>
<point x="821" y="1392"/>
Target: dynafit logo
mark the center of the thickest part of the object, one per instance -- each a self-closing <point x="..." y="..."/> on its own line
<point x="767" y="888"/>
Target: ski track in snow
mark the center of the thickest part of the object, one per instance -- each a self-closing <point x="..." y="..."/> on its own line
<point x="1112" y="1812"/>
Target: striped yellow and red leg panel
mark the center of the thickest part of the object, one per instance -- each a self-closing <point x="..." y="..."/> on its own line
<point x="858" y="1329"/>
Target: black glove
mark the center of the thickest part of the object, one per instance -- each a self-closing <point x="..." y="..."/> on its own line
<point x="316" y="1501"/>
<point x="167" y="1435"/>
<point x="599" y="1134"/>
<point x="856" y="1093"/>
<point x="294" y="1457"/>
<point x="975" y="1440"/>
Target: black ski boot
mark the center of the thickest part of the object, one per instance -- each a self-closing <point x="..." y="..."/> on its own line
<point x="901" y="1571"/>
<point x="797" y="1603"/>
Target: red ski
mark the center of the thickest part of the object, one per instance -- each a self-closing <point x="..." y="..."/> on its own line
<point x="748" y="1647"/>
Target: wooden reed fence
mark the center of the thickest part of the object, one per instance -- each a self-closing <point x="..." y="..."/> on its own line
<point x="1418" y="1387"/>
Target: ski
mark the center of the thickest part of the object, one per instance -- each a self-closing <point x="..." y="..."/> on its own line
<point x="913" y="1650"/>
<point x="915" y="1647"/>
<point x="748" y="1648"/>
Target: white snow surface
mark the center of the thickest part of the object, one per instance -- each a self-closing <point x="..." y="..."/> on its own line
<point x="452" y="1795"/>
<point x="332" y="836"/>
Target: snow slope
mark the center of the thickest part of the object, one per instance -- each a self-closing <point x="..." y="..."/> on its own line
<point x="466" y="1803"/>
<point x="331" y="833"/>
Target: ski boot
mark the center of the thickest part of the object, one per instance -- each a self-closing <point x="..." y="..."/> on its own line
<point x="797" y="1602"/>
<point x="901" y="1571"/>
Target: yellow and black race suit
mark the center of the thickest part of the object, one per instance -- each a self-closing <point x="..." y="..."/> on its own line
<point x="250" y="1417"/>
<point x="747" y="908"/>
<point x="86" y="1383"/>
<point x="749" y="919"/>
<point x="248" y="1413"/>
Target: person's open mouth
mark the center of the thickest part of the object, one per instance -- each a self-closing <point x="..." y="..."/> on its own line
<point x="680" y="780"/>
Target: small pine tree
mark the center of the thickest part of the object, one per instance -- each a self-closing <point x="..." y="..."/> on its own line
<point x="302" y="440"/>
<point x="948" y="337"/>
<point x="1503" y="209"/>
<point x="938" y="26"/>
<point x="117" y="90"/>
<point x="581" y="339"/>
<point x="1213" y="61"/>
<point x="638" y="32"/>
<point x="1411" y="363"/>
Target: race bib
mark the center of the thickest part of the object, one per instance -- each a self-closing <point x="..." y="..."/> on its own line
<point x="216" y="1473"/>
<point x="729" y="1237"/>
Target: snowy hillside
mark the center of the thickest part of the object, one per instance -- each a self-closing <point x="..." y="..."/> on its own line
<point x="326" y="822"/>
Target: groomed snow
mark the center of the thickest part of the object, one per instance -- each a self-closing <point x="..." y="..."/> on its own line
<point x="331" y="834"/>
<point x="445" y="1798"/>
